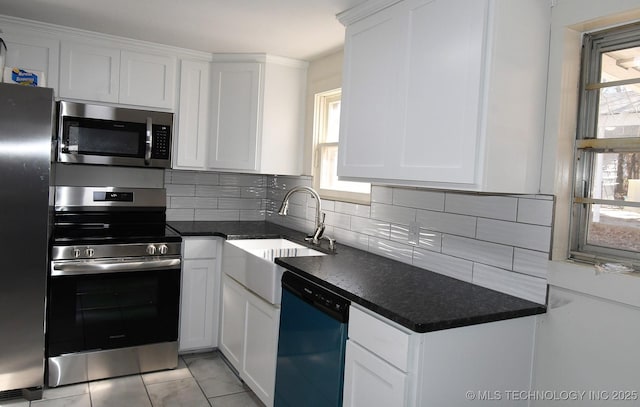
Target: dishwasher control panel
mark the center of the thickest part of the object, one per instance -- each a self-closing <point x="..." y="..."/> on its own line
<point x="331" y="303"/>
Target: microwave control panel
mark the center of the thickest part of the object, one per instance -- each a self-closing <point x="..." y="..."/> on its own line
<point x="161" y="141"/>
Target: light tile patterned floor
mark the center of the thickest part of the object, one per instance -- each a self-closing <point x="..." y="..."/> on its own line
<point x="200" y="380"/>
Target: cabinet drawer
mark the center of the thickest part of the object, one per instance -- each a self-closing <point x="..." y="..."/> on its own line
<point x="200" y="248"/>
<point x="380" y="338"/>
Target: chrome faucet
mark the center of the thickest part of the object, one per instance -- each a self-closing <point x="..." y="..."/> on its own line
<point x="317" y="234"/>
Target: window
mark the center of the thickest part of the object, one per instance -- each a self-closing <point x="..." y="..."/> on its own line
<point x="606" y="203"/>
<point x="326" y="133"/>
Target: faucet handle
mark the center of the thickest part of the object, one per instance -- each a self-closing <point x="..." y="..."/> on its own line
<point x="332" y="242"/>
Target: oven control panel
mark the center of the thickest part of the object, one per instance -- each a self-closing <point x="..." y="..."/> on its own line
<point x="79" y="252"/>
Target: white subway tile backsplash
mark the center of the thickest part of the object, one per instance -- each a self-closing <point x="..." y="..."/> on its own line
<point x="392" y="250"/>
<point x="217" y="214"/>
<point x="180" y="190"/>
<point x="478" y="251"/>
<point x="252" y="215"/>
<point x="325" y="204"/>
<point x="421" y="199"/>
<point x="184" y="177"/>
<point x="337" y="219"/>
<point x="471" y="237"/>
<point x="443" y="264"/>
<point x="350" y="238"/>
<point x="390" y="213"/>
<point x="240" y="203"/>
<point x="243" y="180"/>
<point x="535" y="211"/>
<point x="180" y="214"/>
<point x="509" y="282"/>
<point x="296" y="211"/>
<point x="218" y="191"/>
<point x="285" y="183"/>
<point x="430" y="240"/>
<point x="531" y="262"/>
<point x="363" y="211"/>
<point x="182" y="202"/>
<point x="206" y="203"/>
<point x="461" y="225"/>
<point x="370" y="227"/>
<point x="207" y="178"/>
<point x="399" y="233"/>
<point x="381" y="194"/>
<point x="522" y="235"/>
<point x="253" y="192"/>
<point x="486" y="206"/>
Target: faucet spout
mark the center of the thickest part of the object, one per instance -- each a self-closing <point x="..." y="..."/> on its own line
<point x="315" y="237"/>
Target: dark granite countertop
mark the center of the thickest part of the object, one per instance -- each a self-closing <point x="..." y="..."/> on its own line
<point x="415" y="298"/>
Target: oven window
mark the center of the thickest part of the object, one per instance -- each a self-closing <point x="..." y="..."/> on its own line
<point x="104" y="137"/>
<point x="107" y="311"/>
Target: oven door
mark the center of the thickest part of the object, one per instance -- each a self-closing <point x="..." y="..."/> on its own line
<point x="112" y="303"/>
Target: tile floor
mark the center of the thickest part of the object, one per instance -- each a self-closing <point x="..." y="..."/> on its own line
<point x="200" y="380"/>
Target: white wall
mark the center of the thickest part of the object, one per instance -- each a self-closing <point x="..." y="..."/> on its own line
<point x="588" y="338"/>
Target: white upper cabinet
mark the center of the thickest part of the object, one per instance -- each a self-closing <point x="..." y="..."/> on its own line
<point x="257" y="114"/>
<point x="33" y="52"/>
<point x="146" y="79"/>
<point x="91" y="71"/>
<point x="445" y="94"/>
<point x="190" y="152"/>
<point x="235" y="90"/>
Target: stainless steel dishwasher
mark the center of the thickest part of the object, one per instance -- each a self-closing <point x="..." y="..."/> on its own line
<point x="311" y="345"/>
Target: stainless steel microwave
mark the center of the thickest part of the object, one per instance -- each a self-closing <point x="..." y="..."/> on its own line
<point x="106" y="135"/>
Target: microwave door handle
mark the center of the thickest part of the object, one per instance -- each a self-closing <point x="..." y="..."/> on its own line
<point x="149" y="142"/>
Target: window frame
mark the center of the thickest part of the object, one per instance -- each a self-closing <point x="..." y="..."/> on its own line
<point x="321" y="101"/>
<point x="587" y="145"/>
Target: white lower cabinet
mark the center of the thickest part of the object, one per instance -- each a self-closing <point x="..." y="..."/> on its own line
<point x="200" y="295"/>
<point x="389" y="365"/>
<point x="370" y="381"/>
<point x="249" y="337"/>
<point x="261" y="347"/>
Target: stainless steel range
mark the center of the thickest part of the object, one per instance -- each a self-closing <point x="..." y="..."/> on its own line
<point x="114" y="285"/>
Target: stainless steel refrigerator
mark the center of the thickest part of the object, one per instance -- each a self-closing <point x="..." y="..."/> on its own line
<point x="26" y="128"/>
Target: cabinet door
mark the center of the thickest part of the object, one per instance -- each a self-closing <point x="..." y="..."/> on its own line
<point x="369" y="381"/>
<point x="372" y="75"/>
<point x="261" y="348"/>
<point x="198" y="310"/>
<point x="89" y="72"/>
<point x="439" y="138"/>
<point x="413" y="92"/>
<point x="147" y="80"/>
<point x="190" y="140"/>
<point x="235" y="101"/>
<point x="232" y="321"/>
<point x="33" y="52"/>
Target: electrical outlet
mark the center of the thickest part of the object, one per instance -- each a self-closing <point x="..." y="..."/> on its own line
<point x="414" y="233"/>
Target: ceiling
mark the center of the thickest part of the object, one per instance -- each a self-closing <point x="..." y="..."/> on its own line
<point x="303" y="29"/>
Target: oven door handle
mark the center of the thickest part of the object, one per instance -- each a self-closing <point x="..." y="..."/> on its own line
<point x="98" y="267"/>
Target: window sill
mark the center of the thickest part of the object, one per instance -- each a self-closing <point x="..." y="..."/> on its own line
<point x="582" y="278"/>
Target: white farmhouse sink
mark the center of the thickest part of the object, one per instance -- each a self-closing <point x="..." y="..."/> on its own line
<point x="250" y="262"/>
